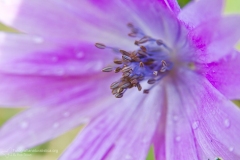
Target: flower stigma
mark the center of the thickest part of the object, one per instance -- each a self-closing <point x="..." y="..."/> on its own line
<point x="150" y="62"/>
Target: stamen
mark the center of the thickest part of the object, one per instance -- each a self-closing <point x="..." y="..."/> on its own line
<point x="100" y="45"/>
<point x="107" y="69"/>
<point x="148" y="63"/>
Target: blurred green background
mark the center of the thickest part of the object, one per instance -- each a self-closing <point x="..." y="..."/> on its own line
<point x="60" y="143"/>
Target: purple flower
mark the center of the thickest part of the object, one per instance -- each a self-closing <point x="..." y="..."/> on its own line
<point x="184" y="59"/>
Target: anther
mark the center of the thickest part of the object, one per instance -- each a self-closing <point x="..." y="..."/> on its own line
<point x="120" y="90"/>
<point x="126" y="74"/>
<point x="159" y="42"/>
<point x="117" y="61"/>
<point x="139" y="87"/>
<point x="144" y="49"/>
<point x="146" y="91"/>
<point x="143" y="40"/>
<point x="134" y="81"/>
<point x="126" y="58"/>
<point x="107" y="69"/>
<point x="119" y="95"/>
<point x="132" y="35"/>
<point x="141" y="64"/>
<point x="155" y="73"/>
<point x="114" y="85"/>
<point x="124" y="52"/>
<point x="126" y="69"/>
<point x="126" y="85"/>
<point x="100" y="45"/>
<point x="151" y="81"/>
<point x="118" y="69"/>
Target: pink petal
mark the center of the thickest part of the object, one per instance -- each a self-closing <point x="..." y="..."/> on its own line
<point x="197" y="12"/>
<point x="216" y="38"/>
<point x="28" y="17"/>
<point x="21" y="54"/>
<point x="108" y="20"/>
<point x="224" y="75"/>
<point x="123" y="132"/>
<point x="40" y="124"/>
<point x="26" y="90"/>
<point x="214" y="121"/>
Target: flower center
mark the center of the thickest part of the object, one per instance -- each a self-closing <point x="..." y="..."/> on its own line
<point x="150" y="63"/>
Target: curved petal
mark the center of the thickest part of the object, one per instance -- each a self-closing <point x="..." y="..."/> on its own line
<point x="123" y="132"/>
<point x="224" y="75"/>
<point x="216" y="38"/>
<point x="197" y="12"/>
<point x="172" y="5"/>
<point x="40" y="124"/>
<point x="30" y="90"/>
<point x="213" y="118"/>
<point x="60" y="22"/>
<point x="80" y="22"/>
<point x="24" y="54"/>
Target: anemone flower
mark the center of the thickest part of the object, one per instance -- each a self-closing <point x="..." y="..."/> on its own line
<point x="173" y="74"/>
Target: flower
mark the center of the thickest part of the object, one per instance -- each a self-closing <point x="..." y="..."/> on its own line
<point x="184" y="59"/>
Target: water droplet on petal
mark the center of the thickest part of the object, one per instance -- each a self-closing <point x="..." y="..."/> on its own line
<point x="23" y="124"/>
<point x="128" y="156"/>
<point x="59" y="72"/>
<point x="227" y="123"/>
<point x="231" y="149"/>
<point x="54" y="59"/>
<point x="56" y="125"/>
<point x="20" y="148"/>
<point x="175" y="118"/>
<point x="38" y="40"/>
<point x="79" y="54"/>
<point x="178" y="138"/>
<point x="195" y="124"/>
<point x="66" y="114"/>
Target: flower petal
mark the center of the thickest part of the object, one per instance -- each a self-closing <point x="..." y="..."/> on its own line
<point x="216" y="38"/>
<point x="124" y="131"/>
<point x="27" y="90"/>
<point x="21" y="54"/>
<point x="40" y="124"/>
<point x="213" y="118"/>
<point x="28" y="17"/>
<point x="197" y="12"/>
<point x="55" y="115"/>
<point x="224" y="75"/>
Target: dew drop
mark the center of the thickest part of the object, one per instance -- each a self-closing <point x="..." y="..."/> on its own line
<point x="178" y="138"/>
<point x="59" y="72"/>
<point x="227" y="123"/>
<point x="231" y="149"/>
<point x="79" y="54"/>
<point x="20" y="148"/>
<point x="23" y="124"/>
<point x="66" y="114"/>
<point x="128" y="156"/>
<point x="175" y="118"/>
<point x="38" y="40"/>
<point x="56" y="125"/>
<point x="144" y="140"/>
<point x="195" y="124"/>
<point x="54" y="59"/>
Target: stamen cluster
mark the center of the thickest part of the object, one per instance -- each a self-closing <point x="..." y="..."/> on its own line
<point x="149" y="63"/>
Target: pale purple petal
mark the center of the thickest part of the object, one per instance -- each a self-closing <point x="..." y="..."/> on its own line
<point x="224" y="75"/>
<point x="214" y="120"/>
<point x="60" y="22"/>
<point x="25" y="90"/>
<point x="123" y="132"/>
<point x="197" y="12"/>
<point x="40" y="124"/>
<point x="216" y="38"/>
